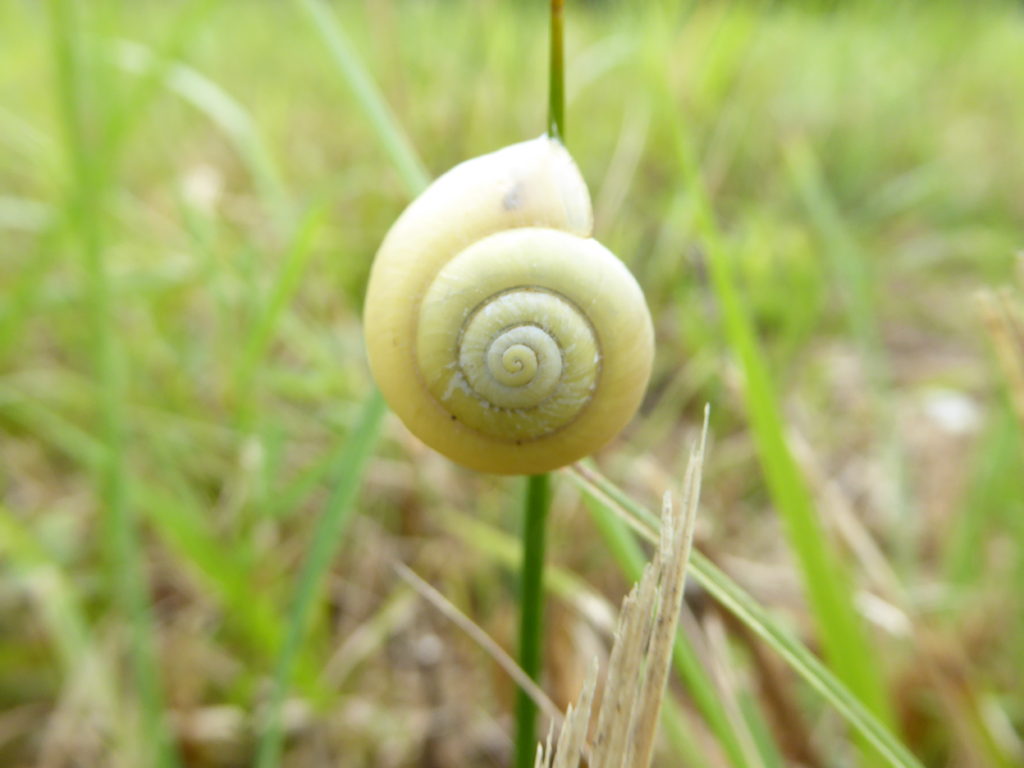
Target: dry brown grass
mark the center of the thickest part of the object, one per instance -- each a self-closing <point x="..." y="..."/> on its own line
<point x="630" y="702"/>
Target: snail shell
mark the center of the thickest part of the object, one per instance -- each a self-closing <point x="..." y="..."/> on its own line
<point x="499" y="331"/>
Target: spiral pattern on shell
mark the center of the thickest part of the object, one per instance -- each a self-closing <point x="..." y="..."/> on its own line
<point x="500" y="333"/>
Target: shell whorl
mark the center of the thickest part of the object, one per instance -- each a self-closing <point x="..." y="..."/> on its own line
<point x="498" y="330"/>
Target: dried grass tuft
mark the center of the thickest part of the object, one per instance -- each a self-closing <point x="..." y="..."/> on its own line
<point x="641" y="652"/>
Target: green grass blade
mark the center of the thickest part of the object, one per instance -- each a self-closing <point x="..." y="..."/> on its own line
<point x="851" y="270"/>
<point x="324" y="543"/>
<point x="826" y="581"/>
<point x="806" y="664"/>
<point x="125" y="116"/>
<point x="745" y="608"/>
<point x="762" y="734"/>
<point x="556" y="78"/>
<point x="996" y="488"/>
<point x="353" y="458"/>
<point x="179" y="33"/>
<point x="390" y="134"/>
<point x="827" y="584"/>
<point x="855" y="283"/>
<point x="228" y="115"/>
<point x="80" y="113"/>
<point x="184" y="530"/>
<point x="58" y="605"/>
<point x="262" y="328"/>
<point x="531" y="615"/>
<point x="181" y="526"/>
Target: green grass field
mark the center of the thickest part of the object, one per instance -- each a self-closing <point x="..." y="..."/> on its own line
<point x="202" y="497"/>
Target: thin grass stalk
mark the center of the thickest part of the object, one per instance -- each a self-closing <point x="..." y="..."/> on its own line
<point x="389" y="132"/>
<point x="556" y="93"/>
<point x="477" y="634"/>
<point x="531" y="617"/>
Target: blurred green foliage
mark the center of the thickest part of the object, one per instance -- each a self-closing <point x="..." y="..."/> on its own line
<point x="190" y="199"/>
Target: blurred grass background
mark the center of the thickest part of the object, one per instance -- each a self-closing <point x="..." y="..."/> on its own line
<point x="812" y="196"/>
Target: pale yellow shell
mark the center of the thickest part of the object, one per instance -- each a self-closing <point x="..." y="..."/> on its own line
<point x="499" y="331"/>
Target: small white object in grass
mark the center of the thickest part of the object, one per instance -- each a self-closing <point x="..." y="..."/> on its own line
<point x="884" y="614"/>
<point x="597" y="610"/>
<point x="952" y="411"/>
<point x="202" y="186"/>
<point x="428" y="649"/>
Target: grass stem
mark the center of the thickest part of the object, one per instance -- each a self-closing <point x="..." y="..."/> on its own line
<point x="531" y="617"/>
<point x="556" y="94"/>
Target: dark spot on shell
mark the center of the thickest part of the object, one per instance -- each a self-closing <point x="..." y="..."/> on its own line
<point x="519" y="442"/>
<point x="513" y="199"/>
<point x="453" y="417"/>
